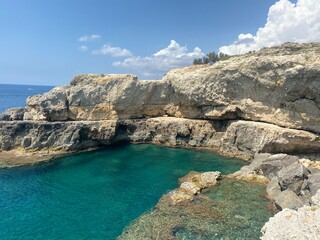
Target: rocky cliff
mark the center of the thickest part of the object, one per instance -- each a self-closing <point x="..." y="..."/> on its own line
<point x="267" y="101"/>
<point x="276" y="85"/>
<point x="263" y="102"/>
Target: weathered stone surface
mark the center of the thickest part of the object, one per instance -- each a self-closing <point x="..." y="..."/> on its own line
<point x="243" y="106"/>
<point x="289" y="224"/>
<point x="270" y="165"/>
<point x="29" y="136"/>
<point x="288" y="199"/>
<point x="292" y="177"/>
<point x="278" y="87"/>
<point x="192" y="184"/>
<point x="314" y="182"/>
<point x="65" y="136"/>
<point x="316" y="199"/>
<point x="13" y="114"/>
<point x="273" y="188"/>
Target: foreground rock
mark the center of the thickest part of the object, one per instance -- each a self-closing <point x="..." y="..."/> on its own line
<point x="289" y="183"/>
<point x="303" y="224"/>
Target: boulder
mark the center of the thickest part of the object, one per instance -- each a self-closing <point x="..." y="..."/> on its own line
<point x="314" y="182"/>
<point x="270" y="165"/>
<point x="13" y="114"/>
<point x="288" y="199"/>
<point x="273" y="188"/>
<point x="190" y="188"/>
<point x="292" y="177"/>
<point x="303" y="224"/>
<point x="191" y="185"/>
<point x="315" y="200"/>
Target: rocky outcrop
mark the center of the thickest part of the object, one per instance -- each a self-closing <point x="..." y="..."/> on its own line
<point x="276" y="85"/>
<point x="191" y="185"/>
<point x="13" y="114"/>
<point x="263" y="102"/>
<point x="288" y="224"/>
<point x="240" y="139"/>
<point x="289" y="183"/>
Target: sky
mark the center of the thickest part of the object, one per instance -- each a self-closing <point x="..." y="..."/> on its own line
<point x="46" y="42"/>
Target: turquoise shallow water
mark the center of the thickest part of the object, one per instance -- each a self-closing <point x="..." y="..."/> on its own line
<point x="94" y="195"/>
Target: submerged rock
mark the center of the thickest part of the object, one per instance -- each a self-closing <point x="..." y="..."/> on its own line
<point x="233" y="209"/>
<point x="191" y="185"/>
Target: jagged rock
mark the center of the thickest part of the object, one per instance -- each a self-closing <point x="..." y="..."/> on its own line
<point x="190" y="188"/>
<point x="273" y="188"/>
<point x="289" y="224"/>
<point x="314" y="182"/>
<point x="231" y="100"/>
<point x="288" y="199"/>
<point x="270" y="165"/>
<point x="180" y="196"/>
<point x="264" y="166"/>
<point x="19" y="139"/>
<point x="292" y="177"/>
<point x="13" y="114"/>
<point x="268" y="86"/>
<point x="316" y="198"/>
<point x="192" y="184"/>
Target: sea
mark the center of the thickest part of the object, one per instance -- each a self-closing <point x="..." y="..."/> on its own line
<point x="16" y="95"/>
<point x="97" y="194"/>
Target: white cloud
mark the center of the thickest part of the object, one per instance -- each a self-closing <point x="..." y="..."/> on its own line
<point x="107" y="49"/>
<point x="88" y="38"/>
<point x="173" y="56"/>
<point x="83" y="48"/>
<point x="286" y="22"/>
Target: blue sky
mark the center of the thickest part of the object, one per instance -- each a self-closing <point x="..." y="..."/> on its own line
<point x="40" y="41"/>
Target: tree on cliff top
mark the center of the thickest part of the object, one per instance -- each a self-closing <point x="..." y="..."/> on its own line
<point x="210" y="58"/>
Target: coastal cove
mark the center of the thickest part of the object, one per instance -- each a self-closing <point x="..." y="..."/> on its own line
<point x="263" y="107"/>
<point x="96" y="194"/>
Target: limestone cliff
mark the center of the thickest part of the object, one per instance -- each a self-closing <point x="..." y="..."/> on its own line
<point x="267" y="101"/>
<point x="262" y="102"/>
<point x="277" y="85"/>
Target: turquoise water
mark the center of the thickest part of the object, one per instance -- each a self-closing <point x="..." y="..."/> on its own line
<point x="94" y="195"/>
<point x="16" y="95"/>
<point x="232" y="209"/>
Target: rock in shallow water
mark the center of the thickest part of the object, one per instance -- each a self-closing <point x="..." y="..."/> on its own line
<point x="232" y="209"/>
<point x="191" y="185"/>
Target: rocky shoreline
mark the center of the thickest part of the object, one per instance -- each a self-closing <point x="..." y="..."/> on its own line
<point x="263" y="107"/>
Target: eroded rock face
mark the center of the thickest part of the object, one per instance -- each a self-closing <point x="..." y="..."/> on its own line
<point x="38" y="136"/>
<point x="276" y="85"/>
<point x="289" y="182"/>
<point x="29" y="136"/>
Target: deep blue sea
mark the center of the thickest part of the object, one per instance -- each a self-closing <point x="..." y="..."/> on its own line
<point x="16" y="95"/>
